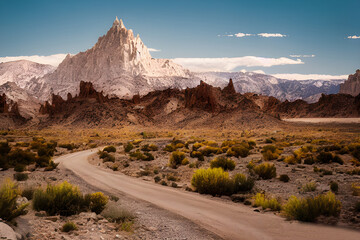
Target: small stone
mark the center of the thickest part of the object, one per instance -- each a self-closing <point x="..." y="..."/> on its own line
<point x="52" y="218"/>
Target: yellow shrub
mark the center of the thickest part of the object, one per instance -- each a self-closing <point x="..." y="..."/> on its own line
<point x="266" y="202"/>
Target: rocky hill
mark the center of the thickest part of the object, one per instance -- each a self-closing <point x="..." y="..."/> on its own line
<point x="352" y="85"/>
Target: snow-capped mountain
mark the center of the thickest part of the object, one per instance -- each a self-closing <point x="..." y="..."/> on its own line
<point x="21" y="71"/>
<point x="309" y="90"/>
<point x="118" y="64"/>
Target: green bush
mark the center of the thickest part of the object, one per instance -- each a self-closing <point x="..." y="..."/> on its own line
<point x="64" y="199"/>
<point x="142" y="156"/>
<point x="223" y="162"/>
<point x="128" y="147"/>
<point x="97" y="201"/>
<point x="214" y="181"/>
<point x="265" y="170"/>
<point x="52" y="165"/>
<point x="266" y="202"/>
<point x="309" y="209"/>
<point x="284" y="178"/>
<point x="109" y="149"/>
<point x="241" y="183"/>
<point x="21" y="176"/>
<point x="107" y="157"/>
<point x="176" y="159"/>
<point x="69" y="226"/>
<point x="8" y="207"/>
<point x="208" y="150"/>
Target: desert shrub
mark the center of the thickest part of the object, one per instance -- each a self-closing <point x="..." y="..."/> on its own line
<point x="198" y="155"/>
<point x="291" y="160"/>
<point x="355" y="171"/>
<point x="42" y="161"/>
<point x="260" y="200"/>
<point x="208" y="150"/>
<point x="97" y="201"/>
<point x="142" y="156"/>
<point x="309" y="160"/>
<point x="214" y="181"/>
<point x="270" y="152"/>
<point x="241" y="183"/>
<point x="268" y="140"/>
<point x="355" y="187"/>
<point x="68" y="227"/>
<point x="19" y="156"/>
<point x="22" y="144"/>
<point x="357" y="206"/>
<point x="309" y="187"/>
<point x="4" y="148"/>
<point x="252" y="143"/>
<point x="113" y="212"/>
<point x="354" y="149"/>
<point x="148" y="148"/>
<point x="196" y="146"/>
<point x="106" y="157"/>
<point x="171" y="177"/>
<point x="21" y="176"/>
<point x="337" y="159"/>
<point x="265" y="170"/>
<point x="109" y="149"/>
<point x="52" y="165"/>
<point x="28" y="192"/>
<point x="20" y="167"/>
<point x="9" y="210"/>
<point x="185" y="161"/>
<point x="157" y="179"/>
<point x="176" y="158"/>
<point x="238" y="151"/>
<point x="169" y="148"/>
<point x="223" y="162"/>
<point x="284" y="178"/>
<point x="324" y="157"/>
<point x="64" y="199"/>
<point x="68" y="146"/>
<point x="164" y="183"/>
<point x="128" y="147"/>
<point x="309" y="209"/>
<point x="334" y="187"/>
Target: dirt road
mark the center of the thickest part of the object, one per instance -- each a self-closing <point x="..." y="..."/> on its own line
<point x="228" y="220"/>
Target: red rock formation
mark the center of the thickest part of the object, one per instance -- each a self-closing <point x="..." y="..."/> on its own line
<point x="4" y="107"/>
<point x="201" y="97"/>
<point x="229" y="89"/>
<point x="87" y="91"/>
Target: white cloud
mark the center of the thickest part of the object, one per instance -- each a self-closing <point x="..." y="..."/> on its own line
<point x="242" y="35"/>
<point x="54" y="60"/>
<point x="153" y="50"/>
<point x="297" y="76"/>
<point x="267" y="35"/>
<point x="353" y="37"/>
<point x="303" y="56"/>
<point x="230" y="64"/>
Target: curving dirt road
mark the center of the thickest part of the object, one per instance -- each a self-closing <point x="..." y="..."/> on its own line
<point x="228" y="220"/>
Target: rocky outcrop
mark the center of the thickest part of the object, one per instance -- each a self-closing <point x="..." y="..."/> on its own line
<point x="201" y="97"/>
<point x="59" y="105"/>
<point x="4" y="107"/>
<point x="352" y="85"/>
<point x="230" y="89"/>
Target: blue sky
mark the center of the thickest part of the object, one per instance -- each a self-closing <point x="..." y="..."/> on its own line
<point x="194" y="29"/>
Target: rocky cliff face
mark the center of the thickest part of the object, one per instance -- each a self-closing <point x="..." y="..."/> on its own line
<point x="20" y="72"/>
<point x="119" y="64"/>
<point x="352" y="85"/>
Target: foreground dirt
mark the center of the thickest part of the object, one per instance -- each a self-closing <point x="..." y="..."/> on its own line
<point x="230" y="221"/>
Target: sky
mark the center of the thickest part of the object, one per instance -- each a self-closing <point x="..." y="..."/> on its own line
<point x="285" y="38"/>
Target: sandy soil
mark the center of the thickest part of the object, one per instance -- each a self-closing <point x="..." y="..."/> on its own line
<point x="323" y="120"/>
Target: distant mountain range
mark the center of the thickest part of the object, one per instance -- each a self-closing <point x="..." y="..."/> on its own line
<point x="120" y="65"/>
